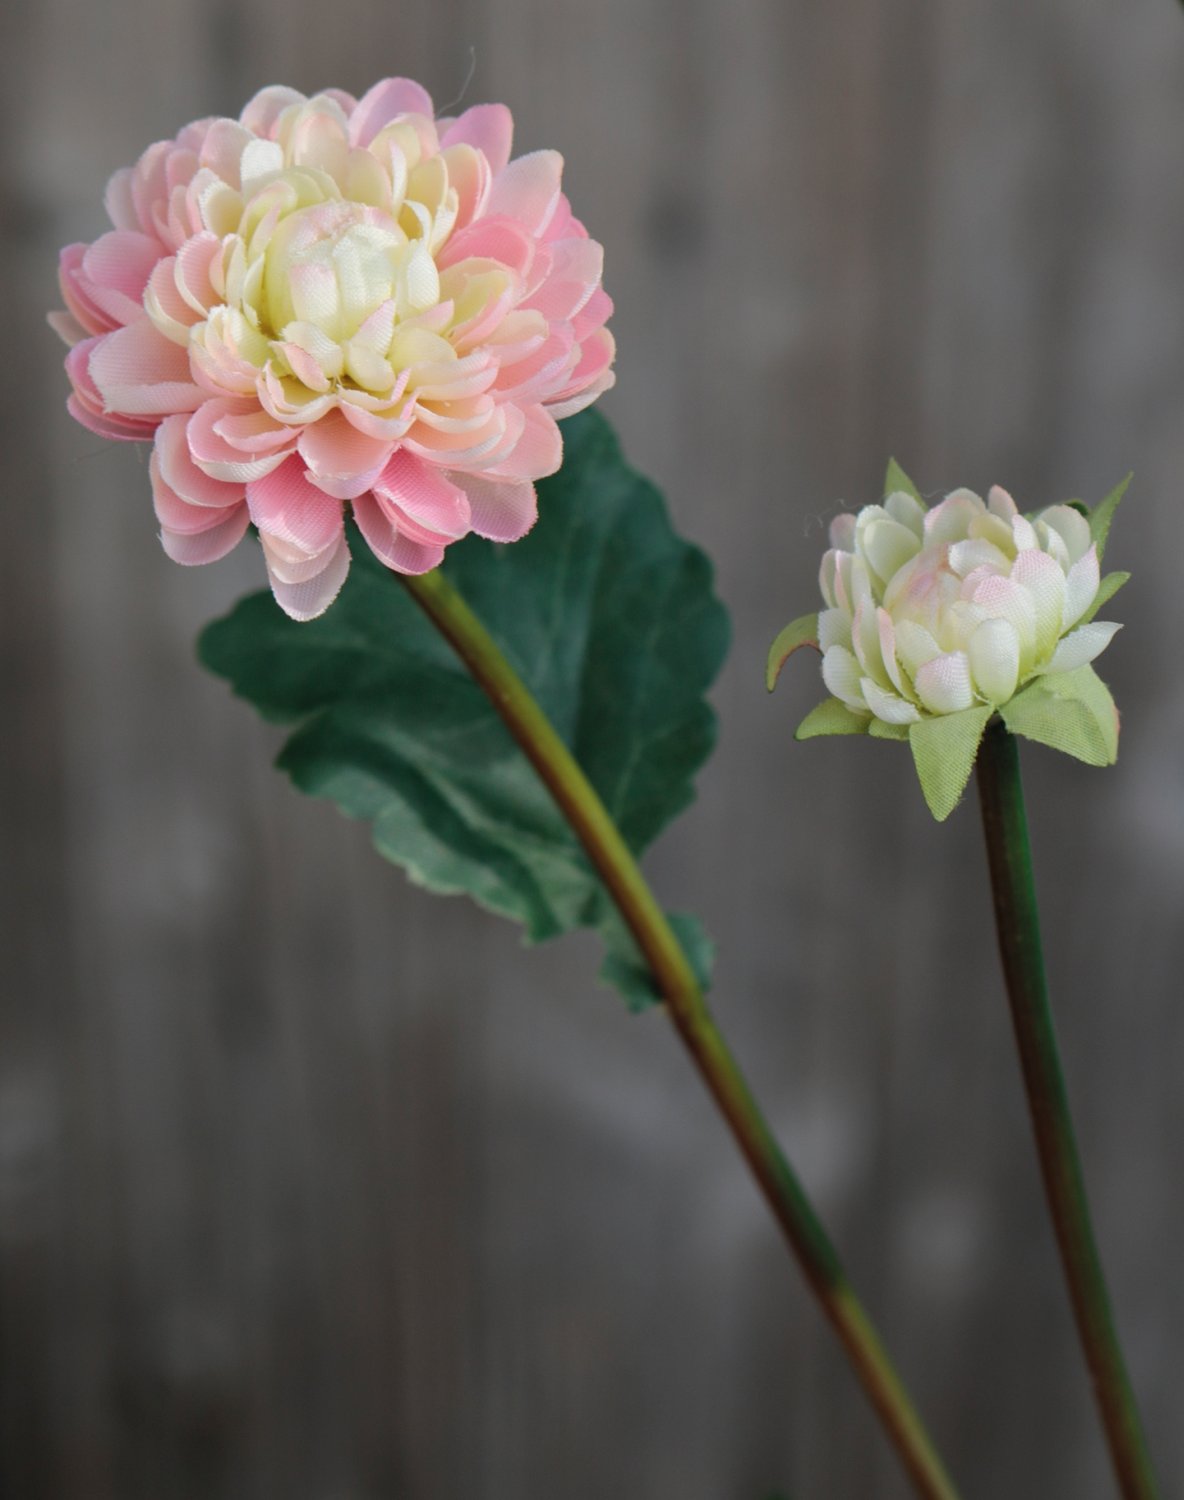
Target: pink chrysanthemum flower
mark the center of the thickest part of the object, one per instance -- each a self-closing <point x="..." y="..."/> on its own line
<point x="334" y="300"/>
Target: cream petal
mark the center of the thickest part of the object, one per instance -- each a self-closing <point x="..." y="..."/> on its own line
<point x="887" y="706"/>
<point x="994" y="655"/>
<point x="1081" y="646"/>
<point x="1071" y="526"/>
<point x="841" y="674"/>
<point x="943" y="684"/>
<point x="1044" y="583"/>
<point x="1081" y="587"/>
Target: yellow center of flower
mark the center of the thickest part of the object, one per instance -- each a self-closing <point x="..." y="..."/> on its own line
<point x="332" y="266"/>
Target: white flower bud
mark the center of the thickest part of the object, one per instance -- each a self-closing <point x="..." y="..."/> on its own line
<point x="933" y="612"/>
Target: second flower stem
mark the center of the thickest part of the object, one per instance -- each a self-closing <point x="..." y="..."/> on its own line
<point x="1013" y="887"/>
<point x="688" y="1010"/>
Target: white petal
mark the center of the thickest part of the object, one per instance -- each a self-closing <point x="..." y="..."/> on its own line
<point x="950" y="521"/>
<point x="1024" y="534"/>
<point x="1044" y="583"/>
<point x="834" y="629"/>
<point x="1081" y="585"/>
<point x="914" y="646"/>
<point x="842" y="532"/>
<point x="994" y="654"/>
<point x="840" y="672"/>
<point x="1000" y="503"/>
<point x="1072" y="527"/>
<point x="976" y="553"/>
<point x="944" y="685"/>
<point x="1082" y="645"/>
<point x="888" y="649"/>
<point x="888" y="545"/>
<point x="908" y="510"/>
<point x="888" y="706"/>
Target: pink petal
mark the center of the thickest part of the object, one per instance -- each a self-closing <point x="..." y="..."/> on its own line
<point x="384" y="103"/>
<point x="262" y="114"/>
<point x="538" y="451"/>
<point x="488" y="127"/>
<point x="501" y="511"/>
<point x="138" y="372"/>
<point x="313" y="596"/>
<point x="174" y="462"/>
<point x="118" y="201"/>
<point x="222" y="150"/>
<point x="528" y="189"/>
<point x="106" y="427"/>
<point x="253" y="431"/>
<point x="114" y="272"/>
<point x="546" y="371"/>
<point x="568" y="408"/>
<point x="576" y="269"/>
<point x="595" y="314"/>
<point x="179" y="515"/>
<point x="342" y="461"/>
<point x="294" y="512"/>
<point x="216" y="457"/>
<point x="194" y="548"/>
<point x="86" y="404"/>
<point x="591" y="377"/>
<point x="501" y="239"/>
<point x="75" y="295"/>
<point x="425" y="495"/>
<point x="396" y="550"/>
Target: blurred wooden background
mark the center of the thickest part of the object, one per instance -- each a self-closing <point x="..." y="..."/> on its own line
<point x="313" y="1186"/>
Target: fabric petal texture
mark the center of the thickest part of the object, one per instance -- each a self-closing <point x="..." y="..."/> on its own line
<point x="335" y="305"/>
<point x="957" y="612"/>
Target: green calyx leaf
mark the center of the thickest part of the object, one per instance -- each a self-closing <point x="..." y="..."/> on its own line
<point x="1103" y="513"/>
<point x="1069" y="711"/>
<point x="832" y="716"/>
<point x="798" y="633"/>
<point x="944" y="748"/>
<point x="896" y="479"/>
<point x="609" y="618"/>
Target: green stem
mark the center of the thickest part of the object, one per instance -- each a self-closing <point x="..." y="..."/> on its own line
<point x="1013" y="887"/>
<point x="688" y="1010"/>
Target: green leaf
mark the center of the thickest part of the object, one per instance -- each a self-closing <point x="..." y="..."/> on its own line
<point x="1103" y="513"/>
<point x="800" y="632"/>
<point x="896" y="479"/>
<point x="880" y="729"/>
<point x="944" y="748"/>
<point x="1107" y="589"/>
<point x="627" y="972"/>
<point x="832" y="716"/>
<point x="607" y="615"/>
<point x="1069" y="711"/>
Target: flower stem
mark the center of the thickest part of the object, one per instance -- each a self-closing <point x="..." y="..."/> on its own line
<point x="688" y="1011"/>
<point x="1013" y="887"/>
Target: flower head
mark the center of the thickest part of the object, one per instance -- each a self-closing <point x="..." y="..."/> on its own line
<point x="937" y="619"/>
<point x="334" y="302"/>
<point x="932" y="612"/>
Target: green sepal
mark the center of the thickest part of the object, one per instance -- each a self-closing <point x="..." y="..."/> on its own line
<point x="1069" y="711"/>
<point x="1107" y="589"/>
<point x="798" y="633"/>
<point x="1103" y="513"/>
<point x="832" y="716"/>
<point x="895" y="479"/>
<point x="880" y="729"/>
<point x="944" y="748"/>
<point x="624" y="969"/>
